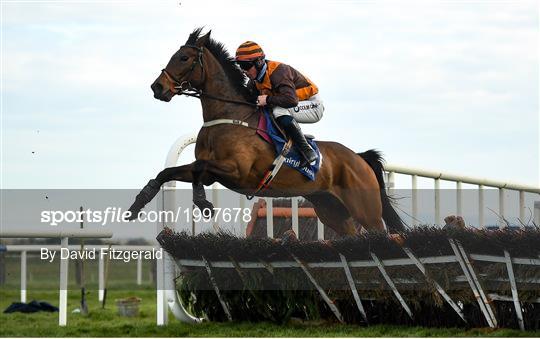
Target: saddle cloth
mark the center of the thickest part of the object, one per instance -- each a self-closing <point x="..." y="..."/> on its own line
<point x="293" y="158"/>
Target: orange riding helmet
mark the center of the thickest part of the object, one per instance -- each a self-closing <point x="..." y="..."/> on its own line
<point x="249" y="51"/>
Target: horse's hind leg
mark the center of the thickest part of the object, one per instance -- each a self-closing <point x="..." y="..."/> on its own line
<point x="364" y="206"/>
<point x="333" y="213"/>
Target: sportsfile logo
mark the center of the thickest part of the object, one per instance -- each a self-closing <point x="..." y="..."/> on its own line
<point x="110" y="214"/>
<point x="118" y="215"/>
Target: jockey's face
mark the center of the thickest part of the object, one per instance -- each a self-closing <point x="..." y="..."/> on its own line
<point x="251" y="73"/>
<point x="249" y="69"/>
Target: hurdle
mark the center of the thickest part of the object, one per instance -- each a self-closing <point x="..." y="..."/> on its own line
<point x="166" y="292"/>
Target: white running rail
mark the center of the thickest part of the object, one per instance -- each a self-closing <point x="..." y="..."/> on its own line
<point x="459" y="180"/>
<point x="64" y="243"/>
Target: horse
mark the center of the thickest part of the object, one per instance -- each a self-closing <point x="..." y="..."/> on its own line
<point x="348" y="192"/>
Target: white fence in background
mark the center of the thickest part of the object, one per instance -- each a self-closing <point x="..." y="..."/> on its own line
<point x="482" y="183"/>
<point x="64" y="237"/>
<point x="24" y="249"/>
<point x="390" y="169"/>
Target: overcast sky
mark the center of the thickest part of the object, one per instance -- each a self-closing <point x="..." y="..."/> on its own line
<point x="443" y="85"/>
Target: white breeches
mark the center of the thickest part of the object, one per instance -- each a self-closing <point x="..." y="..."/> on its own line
<point x="306" y="112"/>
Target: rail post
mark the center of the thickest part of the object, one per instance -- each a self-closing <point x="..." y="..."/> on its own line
<point x="269" y="218"/>
<point x="536" y="213"/>
<point x="294" y="212"/>
<point x="414" y="206"/>
<point x="437" y="187"/>
<point x="391" y="183"/>
<point x="243" y="224"/>
<point x="459" y="207"/>
<point x="162" y="310"/>
<point x="64" y="265"/>
<point x="320" y="230"/>
<point x="502" y="222"/>
<point x="139" y="270"/>
<point x="23" y="276"/>
<point x="101" y="276"/>
<point x="522" y="207"/>
<point x="215" y="202"/>
<point x="481" y="206"/>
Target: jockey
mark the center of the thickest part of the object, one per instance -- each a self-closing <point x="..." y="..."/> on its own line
<point x="293" y="97"/>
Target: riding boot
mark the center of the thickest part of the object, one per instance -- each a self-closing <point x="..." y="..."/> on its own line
<point x="294" y="132"/>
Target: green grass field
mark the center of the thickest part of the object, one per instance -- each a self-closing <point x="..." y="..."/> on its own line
<point x="107" y="323"/>
<point x="43" y="286"/>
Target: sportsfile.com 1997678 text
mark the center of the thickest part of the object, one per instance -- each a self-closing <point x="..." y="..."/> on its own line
<point x="116" y="214"/>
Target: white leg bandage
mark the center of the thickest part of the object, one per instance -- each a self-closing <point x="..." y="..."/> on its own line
<point x="307" y="111"/>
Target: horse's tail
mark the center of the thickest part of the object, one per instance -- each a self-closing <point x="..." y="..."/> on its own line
<point x="390" y="216"/>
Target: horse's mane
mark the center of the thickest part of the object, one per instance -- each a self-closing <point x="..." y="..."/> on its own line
<point x="232" y="71"/>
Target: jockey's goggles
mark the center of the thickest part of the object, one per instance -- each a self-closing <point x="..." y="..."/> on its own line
<point x="246" y="65"/>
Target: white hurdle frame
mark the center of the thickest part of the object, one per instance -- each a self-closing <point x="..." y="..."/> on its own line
<point x="64" y="242"/>
<point x="167" y="297"/>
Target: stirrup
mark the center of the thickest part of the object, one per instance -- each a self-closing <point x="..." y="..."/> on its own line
<point x="305" y="161"/>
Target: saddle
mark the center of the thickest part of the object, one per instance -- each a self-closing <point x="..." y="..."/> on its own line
<point x="270" y="132"/>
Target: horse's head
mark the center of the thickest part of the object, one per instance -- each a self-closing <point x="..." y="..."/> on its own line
<point x="185" y="70"/>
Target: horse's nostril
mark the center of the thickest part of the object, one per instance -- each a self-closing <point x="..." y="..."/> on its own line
<point x="157" y="88"/>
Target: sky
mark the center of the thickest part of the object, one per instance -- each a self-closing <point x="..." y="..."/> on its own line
<point x="443" y="85"/>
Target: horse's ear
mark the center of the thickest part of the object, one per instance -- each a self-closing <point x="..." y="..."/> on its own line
<point x="204" y="39"/>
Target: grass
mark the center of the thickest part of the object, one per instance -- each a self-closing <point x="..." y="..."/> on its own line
<point x="43" y="285"/>
<point x="106" y="323"/>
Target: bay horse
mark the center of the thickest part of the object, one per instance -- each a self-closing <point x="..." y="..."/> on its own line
<point x="348" y="192"/>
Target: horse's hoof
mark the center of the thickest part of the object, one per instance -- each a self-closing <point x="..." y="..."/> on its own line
<point x="289" y="237"/>
<point x="203" y="205"/>
<point x="144" y="197"/>
<point x="134" y="211"/>
<point x="133" y="215"/>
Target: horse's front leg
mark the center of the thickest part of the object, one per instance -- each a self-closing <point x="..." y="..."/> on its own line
<point x="206" y="172"/>
<point x="200" y="172"/>
<point x="180" y="173"/>
<point x="199" y="198"/>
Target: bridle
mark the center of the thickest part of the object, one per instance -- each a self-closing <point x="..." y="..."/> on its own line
<point x="186" y="88"/>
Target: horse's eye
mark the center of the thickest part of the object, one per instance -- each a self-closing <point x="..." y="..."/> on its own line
<point x="184" y="58"/>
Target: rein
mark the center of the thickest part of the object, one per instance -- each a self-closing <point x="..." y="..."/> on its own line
<point x="197" y="93"/>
